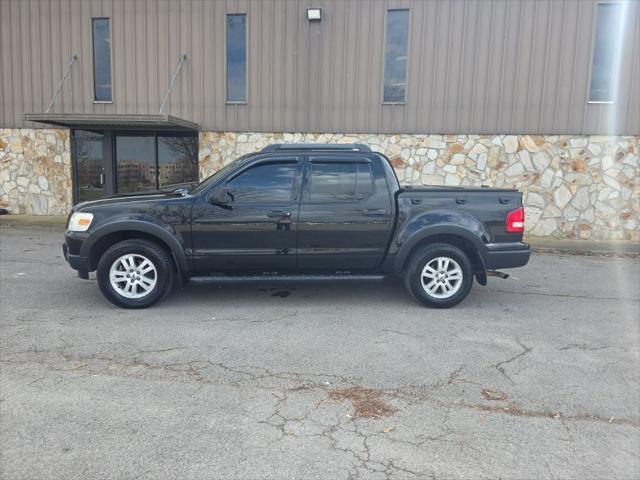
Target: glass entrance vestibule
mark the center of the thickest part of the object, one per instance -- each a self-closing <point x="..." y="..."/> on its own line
<point x="109" y="161"/>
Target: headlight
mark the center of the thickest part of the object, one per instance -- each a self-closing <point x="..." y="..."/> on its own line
<point x="80" y="222"/>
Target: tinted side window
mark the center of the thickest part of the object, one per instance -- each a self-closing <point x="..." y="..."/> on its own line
<point x="339" y="182"/>
<point x="365" y="181"/>
<point x="267" y="183"/>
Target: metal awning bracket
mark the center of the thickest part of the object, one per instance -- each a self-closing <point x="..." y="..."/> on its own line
<point x="64" y="77"/>
<point x="183" y="57"/>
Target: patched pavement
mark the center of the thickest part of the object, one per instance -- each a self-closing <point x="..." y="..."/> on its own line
<point x="537" y="376"/>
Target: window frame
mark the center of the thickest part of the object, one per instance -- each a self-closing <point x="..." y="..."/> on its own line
<point x="295" y="161"/>
<point x="93" y="62"/>
<point x="384" y="55"/>
<point x="306" y="181"/>
<point x="226" y="59"/>
<point x="594" y="27"/>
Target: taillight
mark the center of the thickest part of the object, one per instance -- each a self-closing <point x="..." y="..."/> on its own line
<point x="515" y="221"/>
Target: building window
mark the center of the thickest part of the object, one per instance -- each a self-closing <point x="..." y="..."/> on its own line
<point x="395" y="56"/>
<point x="177" y="158"/>
<point x="152" y="160"/>
<point x="606" y="52"/>
<point x="101" y="59"/>
<point x="237" y="58"/>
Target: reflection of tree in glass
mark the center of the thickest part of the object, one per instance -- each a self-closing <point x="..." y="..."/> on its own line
<point x="182" y="147"/>
<point x="178" y="159"/>
<point x="264" y="183"/>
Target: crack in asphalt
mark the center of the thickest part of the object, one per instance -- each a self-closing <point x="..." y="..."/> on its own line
<point x="398" y="332"/>
<point x="582" y="346"/>
<point x="563" y="295"/>
<point x="247" y="375"/>
<point x="500" y="365"/>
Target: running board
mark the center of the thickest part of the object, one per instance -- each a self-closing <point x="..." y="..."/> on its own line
<point x="261" y="279"/>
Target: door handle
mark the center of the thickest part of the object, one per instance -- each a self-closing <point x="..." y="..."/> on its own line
<point x="504" y="200"/>
<point x="461" y="201"/>
<point x="372" y="212"/>
<point x="102" y="179"/>
<point x="278" y="214"/>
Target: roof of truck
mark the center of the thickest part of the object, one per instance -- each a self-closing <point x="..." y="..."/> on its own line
<point x="324" y="147"/>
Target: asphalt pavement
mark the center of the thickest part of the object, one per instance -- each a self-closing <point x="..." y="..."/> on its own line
<point x="536" y="376"/>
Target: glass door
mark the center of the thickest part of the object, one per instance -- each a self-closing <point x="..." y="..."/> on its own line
<point x="90" y="165"/>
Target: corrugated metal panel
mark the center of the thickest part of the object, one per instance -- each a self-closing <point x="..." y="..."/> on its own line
<point x="485" y="66"/>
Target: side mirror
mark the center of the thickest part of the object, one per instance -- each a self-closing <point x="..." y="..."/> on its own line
<point x="220" y="196"/>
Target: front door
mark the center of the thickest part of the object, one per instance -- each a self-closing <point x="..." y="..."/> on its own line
<point x="91" y="165"/>
<point x="345" y="215"/>
<point x="256" y="231"/>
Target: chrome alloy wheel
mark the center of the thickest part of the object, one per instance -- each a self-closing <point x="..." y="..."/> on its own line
<point x="133" y="276"/>
<point x="441" y="277"/>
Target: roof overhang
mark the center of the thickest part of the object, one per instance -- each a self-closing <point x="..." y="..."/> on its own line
<point x="112" y="120"/>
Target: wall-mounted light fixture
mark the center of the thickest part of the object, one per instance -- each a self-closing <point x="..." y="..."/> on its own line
<point x="314" y="14"/>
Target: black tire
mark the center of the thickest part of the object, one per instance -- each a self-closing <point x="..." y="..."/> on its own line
<point x="415" y="266"/>
<point x="165" y="272"/>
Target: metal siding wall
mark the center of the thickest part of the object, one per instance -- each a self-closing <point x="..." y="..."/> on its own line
<point x="485" y="66"/>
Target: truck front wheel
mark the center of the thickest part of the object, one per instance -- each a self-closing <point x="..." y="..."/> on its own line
<point x="439" y="275"/>
<point x="135" y="273"/>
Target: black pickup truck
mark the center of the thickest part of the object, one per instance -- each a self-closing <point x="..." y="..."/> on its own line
<point x="293" y="213"/>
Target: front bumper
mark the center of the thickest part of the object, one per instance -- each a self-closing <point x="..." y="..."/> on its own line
<point x="507" y="255"/>
<point x="71" y="251"/>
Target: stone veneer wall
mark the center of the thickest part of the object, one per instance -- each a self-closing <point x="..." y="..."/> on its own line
<point x="35" y="171"/>
<point x="584" y="187"/>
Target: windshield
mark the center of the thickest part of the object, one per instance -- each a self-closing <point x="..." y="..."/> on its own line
<point x="216" y="176"/>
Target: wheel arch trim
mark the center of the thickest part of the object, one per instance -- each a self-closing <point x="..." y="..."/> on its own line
<point x="433" y="231"/>
<point x="176" y="248"/>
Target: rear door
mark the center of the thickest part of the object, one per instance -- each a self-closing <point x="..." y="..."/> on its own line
<point x="345" y="214"/>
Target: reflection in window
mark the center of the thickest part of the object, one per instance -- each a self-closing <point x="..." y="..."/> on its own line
<point x="606" y="48"/>
<point x="88" y="163"/>
<point x="136" y="167"/>
<point x="177" y="159"/>
<point x="340" y="182"/>
<point x="236" y="58"/>
<point x="395" y="56"/>
<point x="136" y="163"/>
<point x="266" y="183"/>
<point x="101" y="59"/>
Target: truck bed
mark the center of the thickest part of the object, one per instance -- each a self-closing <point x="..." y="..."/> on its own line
<point x="488" y="206"/>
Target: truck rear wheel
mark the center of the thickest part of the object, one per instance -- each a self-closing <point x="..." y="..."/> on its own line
<point x="439" y="275"/>
<point x="135" y="273"/>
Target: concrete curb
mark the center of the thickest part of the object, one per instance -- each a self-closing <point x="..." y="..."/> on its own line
<point x="46" y="221"/>
<point x="539" y="244"/>
<point x="583" y="247"/>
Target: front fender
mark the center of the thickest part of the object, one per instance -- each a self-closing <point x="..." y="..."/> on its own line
<point x="165" y="233"/>
<point x="441" y="222"/>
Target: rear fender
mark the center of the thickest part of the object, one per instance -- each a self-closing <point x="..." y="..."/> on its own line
<point x="442" y="223"/>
